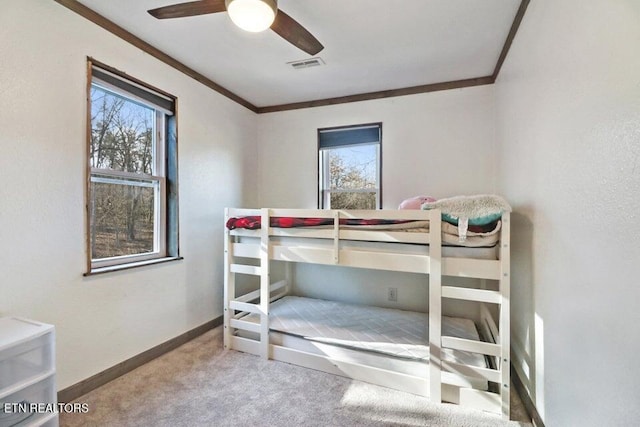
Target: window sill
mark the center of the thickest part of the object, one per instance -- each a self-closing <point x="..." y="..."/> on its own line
<point x="120" y="267"/>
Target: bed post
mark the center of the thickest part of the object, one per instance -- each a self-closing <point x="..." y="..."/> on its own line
<point x="505" y="331"/>
<point x="288" y="276"/>
<point x="264" y="282"/>
<point x="229" y="282"/>
<point x="435" y="306"/>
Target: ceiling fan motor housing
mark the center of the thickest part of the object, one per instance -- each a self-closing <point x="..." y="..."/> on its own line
<point x="252" y="15"/>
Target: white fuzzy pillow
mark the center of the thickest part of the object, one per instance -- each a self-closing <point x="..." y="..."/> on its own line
<point x="478" y="209"/>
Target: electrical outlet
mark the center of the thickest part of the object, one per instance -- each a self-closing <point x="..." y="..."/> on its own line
<point x="392" y="294"/>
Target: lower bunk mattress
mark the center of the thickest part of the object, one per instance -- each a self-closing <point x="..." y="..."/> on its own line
<point x="386" y="338"/>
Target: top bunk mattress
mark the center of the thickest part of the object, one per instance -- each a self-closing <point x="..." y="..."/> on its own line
<point x="477" y="236"/>
<point x="391" y="332"/>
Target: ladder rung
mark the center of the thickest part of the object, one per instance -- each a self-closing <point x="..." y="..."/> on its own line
<point x="246" y="250"/>
<point x="251" y="296"/>
<point x="245" y="269"/>
<point x="254" y="295"/>
<point x="245" y="306"/>
<point x="246" y="326"/>
<point x="479" y="295"/>
<point x="473" y="371"/>
<point x="471" y="345"/>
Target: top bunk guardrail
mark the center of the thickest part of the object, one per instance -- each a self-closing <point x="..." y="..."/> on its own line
<point x="331" y="242"/>
<point x="393" y="226"/>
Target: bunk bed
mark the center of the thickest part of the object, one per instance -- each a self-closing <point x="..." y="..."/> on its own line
<point x="429" y="354"/>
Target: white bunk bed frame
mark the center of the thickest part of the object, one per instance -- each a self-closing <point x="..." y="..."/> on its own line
<point x="448" y="381"/>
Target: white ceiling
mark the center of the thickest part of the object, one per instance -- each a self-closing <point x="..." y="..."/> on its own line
<point x="370" y="45"/>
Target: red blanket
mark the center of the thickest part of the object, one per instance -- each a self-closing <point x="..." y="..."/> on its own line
<point x="253" y="222"/>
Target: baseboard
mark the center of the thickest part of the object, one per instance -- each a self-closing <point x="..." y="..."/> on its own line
<point x="530" y="407"/>
<point x="73" y="392"/>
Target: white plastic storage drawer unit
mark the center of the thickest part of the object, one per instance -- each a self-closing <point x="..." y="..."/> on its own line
<point x="27" y="373"/>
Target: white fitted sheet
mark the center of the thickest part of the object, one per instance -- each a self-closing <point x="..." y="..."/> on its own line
<point x="390" y="332"/>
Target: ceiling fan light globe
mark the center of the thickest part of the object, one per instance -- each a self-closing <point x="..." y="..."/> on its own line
<point x="252" y="15"/>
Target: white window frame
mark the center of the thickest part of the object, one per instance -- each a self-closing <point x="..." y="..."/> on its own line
<point x="156" y="180"/>
<point x="324" y="190"/>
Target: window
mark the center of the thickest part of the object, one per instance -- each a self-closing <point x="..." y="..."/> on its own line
<point x="349" y="167"/>
<point x="132" y="157"/>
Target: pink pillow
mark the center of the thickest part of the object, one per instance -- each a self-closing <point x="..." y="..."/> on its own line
<point x="416" y="202"/>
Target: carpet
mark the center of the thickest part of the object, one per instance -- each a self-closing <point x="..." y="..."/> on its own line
<point x="201" y="384"/>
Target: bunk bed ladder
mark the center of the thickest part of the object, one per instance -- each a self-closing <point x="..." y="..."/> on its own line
<point x="246" y="304"/>
<point x="498" y="347"/>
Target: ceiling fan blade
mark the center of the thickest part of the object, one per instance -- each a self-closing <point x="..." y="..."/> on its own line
<point x="290" y="30"/>
<point x="201" y="7"/>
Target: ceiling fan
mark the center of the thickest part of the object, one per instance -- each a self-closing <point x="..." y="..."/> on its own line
<point x="250" y="15"/>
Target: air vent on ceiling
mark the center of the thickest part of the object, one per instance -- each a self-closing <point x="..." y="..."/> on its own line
<point x="306" y="63"/>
